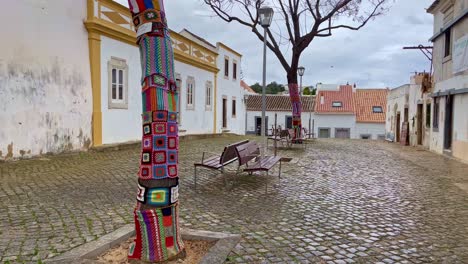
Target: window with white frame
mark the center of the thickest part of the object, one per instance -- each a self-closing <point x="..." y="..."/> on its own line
<point x="118" y="83"/>
<point x="208" y="95"/>
<point x="190" y="93"/>
<point x="234" y="70"/>
<point x="234" y="110"/>
<point x="226" y="67"/>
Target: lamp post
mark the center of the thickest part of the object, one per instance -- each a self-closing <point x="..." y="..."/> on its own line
<point x="266" y="16"/>
<point x="300" y="71"/>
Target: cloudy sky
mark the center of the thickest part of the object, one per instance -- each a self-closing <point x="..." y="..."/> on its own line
<point x="372" y="57"/>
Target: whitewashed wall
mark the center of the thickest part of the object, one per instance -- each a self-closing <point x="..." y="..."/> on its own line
<point x="397" y="99"/>
<point x="45" y="90"/>
<point x="121" y="125"/>
<point x="230" y="88"/>
<point x="199" y="120"/>
<point x="335" y="121"/>
<point x="460" y="121"/>
<point x="373" y="129"/>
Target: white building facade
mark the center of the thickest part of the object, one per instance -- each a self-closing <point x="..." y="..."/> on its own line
<point x="449" y="128"/>
<point x="45" y="85"/>
<point x="78" y="84"/>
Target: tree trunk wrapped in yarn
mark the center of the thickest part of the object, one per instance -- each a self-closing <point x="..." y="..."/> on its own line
<point x="156" y="214"/>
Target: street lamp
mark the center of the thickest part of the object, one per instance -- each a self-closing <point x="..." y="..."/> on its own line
<point x="265" y="16"/>
<point x="300" y="71"/>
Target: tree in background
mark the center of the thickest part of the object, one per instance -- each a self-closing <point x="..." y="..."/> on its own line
<point x="314" y="91"/>
<point x="302" y="21"/>
<point x="272" y="88"/>
<point x="306" y="91"/>
<point x="156" y="214"/>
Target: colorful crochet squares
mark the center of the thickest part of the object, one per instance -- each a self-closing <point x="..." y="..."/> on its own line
<point x="146" y="172"/>
<point x="146" y="157"/>
<point x="141" y="193"/>
<point x="160" y="116"/>
<point x="175" y="194"/>
<point x="159" y="142"/>
<point x="162" y="196"/>
<point x="172" y="129"/>
<point x="158" y="197"/>
<point x="172" y="171"/>
<point x="147" y="129"/>
<point x="160" y="171"/>
<point x="158" y="80"/>
<point x="147" y="143"/>
<point x="172" y="157"/>
<point x="159" y="128"/>
<point x="172" y="142"/>
<point x="159" y="157"/>
<point x="172" y="117"/>
<point x="147" y="117"/>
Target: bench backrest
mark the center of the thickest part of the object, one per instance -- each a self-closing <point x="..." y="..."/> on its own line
<point x="247" y="152"/>
<point x="229" y="153"/>
<point x="284" y="133"/>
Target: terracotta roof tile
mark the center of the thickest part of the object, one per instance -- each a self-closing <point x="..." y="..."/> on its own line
<point x="344" y="95"/>
<point x="246" y="87"/>
<point x="365" y="100"/>
<point x="278" y="103"/>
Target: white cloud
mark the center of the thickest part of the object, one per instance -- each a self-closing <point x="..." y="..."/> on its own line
<point x="371" y="57"/>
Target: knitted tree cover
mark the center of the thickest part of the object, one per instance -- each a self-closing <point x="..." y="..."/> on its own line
<point x="156" y="214"/>
<point x="296" y="111"/>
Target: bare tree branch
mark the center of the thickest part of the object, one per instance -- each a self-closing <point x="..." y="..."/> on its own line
<point x="300" y="31"/>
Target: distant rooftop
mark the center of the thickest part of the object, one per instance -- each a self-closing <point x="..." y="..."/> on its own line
<point x="280" y="103"/>
<point x="198" y="37"/>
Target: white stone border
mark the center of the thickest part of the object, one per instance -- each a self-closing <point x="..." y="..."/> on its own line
<point x="89" y="251"/>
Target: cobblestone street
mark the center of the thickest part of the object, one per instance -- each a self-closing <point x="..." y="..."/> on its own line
<point x="349" y="201"/>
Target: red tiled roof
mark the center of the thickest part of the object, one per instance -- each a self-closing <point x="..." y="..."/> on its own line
<point x="343" y="95"/>
<point x="246" y="87"/>
<point x="365" y="100"/>
<point x="280" y="103"/>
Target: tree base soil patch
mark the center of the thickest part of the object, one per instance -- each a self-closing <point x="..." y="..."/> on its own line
<point x="195" y="250"/>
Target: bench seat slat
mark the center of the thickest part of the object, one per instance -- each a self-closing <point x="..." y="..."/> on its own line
<point x="264" y="164"/>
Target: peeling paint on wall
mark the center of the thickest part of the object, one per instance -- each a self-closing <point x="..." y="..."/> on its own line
<point x="45" y="95"/>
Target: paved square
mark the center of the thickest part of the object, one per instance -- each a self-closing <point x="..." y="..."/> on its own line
<point x="348" y="201"/>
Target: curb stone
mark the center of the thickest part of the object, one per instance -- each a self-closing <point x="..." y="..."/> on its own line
<point x="89" y="251"/>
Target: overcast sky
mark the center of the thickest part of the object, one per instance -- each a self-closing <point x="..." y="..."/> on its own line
<point x="372" y="57"/>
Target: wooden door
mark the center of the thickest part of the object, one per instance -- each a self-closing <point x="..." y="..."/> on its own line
<point x="419" y="130"/>
<point x="448" y="126"/>
<point x="398" y="127"/>
<point x="224" y="113"/>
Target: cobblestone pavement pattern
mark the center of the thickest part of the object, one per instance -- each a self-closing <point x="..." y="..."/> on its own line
<point x="338" y="202"/>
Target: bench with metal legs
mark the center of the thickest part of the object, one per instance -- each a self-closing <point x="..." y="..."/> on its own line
<point x="218" y="162"/>
<point x="250" y="151"/>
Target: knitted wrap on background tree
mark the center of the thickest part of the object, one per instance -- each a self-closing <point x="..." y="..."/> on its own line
<point x="296" y="112"/>
<point x="156" y="214"/>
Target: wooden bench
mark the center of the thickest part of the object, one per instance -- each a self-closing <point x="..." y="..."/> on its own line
<point x="218" y="162"/>
<point x="250" y="152"/>
<point x="281" y="136"/>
